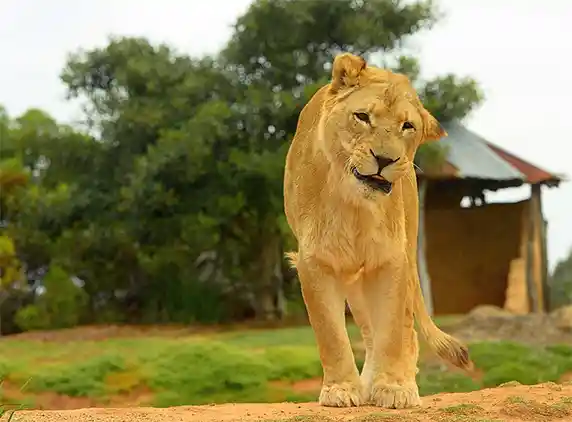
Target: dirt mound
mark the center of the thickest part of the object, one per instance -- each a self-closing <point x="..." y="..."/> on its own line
<point x="489" y="323"/>
<point x="544" y="402"/>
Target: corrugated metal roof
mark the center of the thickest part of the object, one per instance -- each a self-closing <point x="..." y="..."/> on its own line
<point x="474" y="157"/>
<point x="533" y="174"/>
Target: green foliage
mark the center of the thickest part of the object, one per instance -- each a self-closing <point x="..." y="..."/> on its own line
<point x="194" y="373"/>
<point x="5" y="368"/>
<point x="63" y="302"/>
<point x="501" y="362"/>
<point x="506" y="361"/>
<point x="293" y="363"/>
<point x="84" y="379"/>
<point x="186" y="158"/>
<point x="61" y="306"/>
<point x="561" y="283"/>
<point x="31" y="317"/>
<point x="217" y="369"/>
<point x="10" y="266"/>
<point x="443" y="380"/>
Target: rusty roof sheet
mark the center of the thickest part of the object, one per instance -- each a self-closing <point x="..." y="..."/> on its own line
<point x="475" y="157"/>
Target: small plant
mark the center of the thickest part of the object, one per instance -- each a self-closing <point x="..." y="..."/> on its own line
<point x="10" y="409"/>
<point x="463" y="409"/>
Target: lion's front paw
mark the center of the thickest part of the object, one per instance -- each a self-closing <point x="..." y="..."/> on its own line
<point x="394" y="396"/>
<point x="341" y="395"/>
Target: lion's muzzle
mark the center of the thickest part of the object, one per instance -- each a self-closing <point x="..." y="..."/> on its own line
<point x="374" y="181"/>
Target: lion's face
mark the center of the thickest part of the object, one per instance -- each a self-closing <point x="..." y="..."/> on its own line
<point x="372" y="128"/>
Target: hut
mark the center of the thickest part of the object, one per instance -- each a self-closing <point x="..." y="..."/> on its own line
<point x="472" y="252"/>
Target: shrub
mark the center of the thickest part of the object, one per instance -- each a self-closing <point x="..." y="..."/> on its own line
<point x="84" y="379"/>
<point x="507" y="361"/>
<point x="61" y="306"/>
<point x="198" y="372"/>
<point x="293" y="363"/>
<point x="31" y="317"/>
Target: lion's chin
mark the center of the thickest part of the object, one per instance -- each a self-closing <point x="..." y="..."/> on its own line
<point x="374" y="181"/>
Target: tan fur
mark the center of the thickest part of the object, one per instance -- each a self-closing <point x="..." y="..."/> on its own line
<point x="359" y="244"/>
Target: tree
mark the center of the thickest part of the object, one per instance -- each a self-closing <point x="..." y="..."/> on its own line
<point x="168" y="202"/>
<point x="561" y="283"/>
<point x="11" y="274"/>
<point x="159" y="117"/>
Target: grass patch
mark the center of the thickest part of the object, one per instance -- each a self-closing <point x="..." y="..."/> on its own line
<point x="83" y="379"/>
<point x="205" y="371"/>
<point x="293" y="363"/>
<point x="240" y="367"/>
<point x="463" y="409"/>
<point x="8" y="408"/>
<point x="506" y="361"/>
<point x="434" y="380"/>
<point x="518" y="407"/>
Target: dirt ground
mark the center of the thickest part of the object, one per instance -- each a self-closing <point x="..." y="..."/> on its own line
<point x="544" y="402"/>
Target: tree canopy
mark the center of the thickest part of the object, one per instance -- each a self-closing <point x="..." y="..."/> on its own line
<point x="166" y="204"/>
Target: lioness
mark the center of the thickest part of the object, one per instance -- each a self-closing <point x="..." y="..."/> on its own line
<point x="350" y="197"/>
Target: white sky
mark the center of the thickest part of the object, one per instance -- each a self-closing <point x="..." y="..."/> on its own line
<point x="520" y="52"/>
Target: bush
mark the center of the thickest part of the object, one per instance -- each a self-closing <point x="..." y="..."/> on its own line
<point x="507" y="361"/>
<point x="61" y="306"/>
<point x="293" y="363"/>
<point x="439" y="381"/>
<point x="31" y="317"/>
<point x="200" y="372"/>
<point x="64" y="301"/>
<point x="85" y="379"/>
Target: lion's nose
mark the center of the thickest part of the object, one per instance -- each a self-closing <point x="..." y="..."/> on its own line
<point x="382" y="162"/>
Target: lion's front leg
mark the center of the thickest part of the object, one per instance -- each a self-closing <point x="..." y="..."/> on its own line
<point x="362" y="318"/>
<point x="395" y="347"/>
<point x="325" y="302"/>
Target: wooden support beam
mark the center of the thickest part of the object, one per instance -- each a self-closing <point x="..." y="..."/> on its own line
<point x="531" y="285"/>
<point x="536" y="194"/>
<point x="424" y="278"/>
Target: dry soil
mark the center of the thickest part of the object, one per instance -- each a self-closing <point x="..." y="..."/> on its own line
<point x="544" y="402"/>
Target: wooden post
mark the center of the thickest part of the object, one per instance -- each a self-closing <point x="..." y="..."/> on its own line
<point x="424" y="278"/>
<point x="530" y="238"/>
<point x="536" y="193"/>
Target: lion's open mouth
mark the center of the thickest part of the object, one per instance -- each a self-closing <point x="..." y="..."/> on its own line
<point x="374" y="181"/>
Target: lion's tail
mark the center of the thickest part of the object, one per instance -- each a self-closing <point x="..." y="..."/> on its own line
<point x="444" y="345"/>
<point x="292" y="258"/>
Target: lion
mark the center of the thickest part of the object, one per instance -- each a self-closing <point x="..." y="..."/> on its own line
<point x="351" y="200"/>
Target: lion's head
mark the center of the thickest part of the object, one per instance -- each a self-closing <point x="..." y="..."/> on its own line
<point x="372" y="123"/>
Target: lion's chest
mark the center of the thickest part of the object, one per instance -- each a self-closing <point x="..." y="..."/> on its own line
<point x="349" y="239"/>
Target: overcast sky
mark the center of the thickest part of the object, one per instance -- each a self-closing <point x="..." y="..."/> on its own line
<point x="520" y="52"/>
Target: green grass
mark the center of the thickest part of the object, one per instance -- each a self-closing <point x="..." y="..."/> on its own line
<point x="8" y="408"/>
<point x="237" y="367"/>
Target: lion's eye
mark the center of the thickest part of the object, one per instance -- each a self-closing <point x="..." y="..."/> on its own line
<point x="364" y="117"/>
<point x="407" y="126"/>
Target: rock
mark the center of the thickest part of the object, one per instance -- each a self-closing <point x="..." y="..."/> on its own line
<point x="563" y="317"/>
<point x="488" y="311"/>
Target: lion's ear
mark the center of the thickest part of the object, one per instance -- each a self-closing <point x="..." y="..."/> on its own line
<point x="346" y="70"/>
<point x="432" y="129"/>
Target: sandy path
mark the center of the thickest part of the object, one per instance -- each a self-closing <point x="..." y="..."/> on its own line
<point x="544" y="402"/>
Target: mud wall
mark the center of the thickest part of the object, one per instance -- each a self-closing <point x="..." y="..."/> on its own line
<point x="469" y="251"/>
